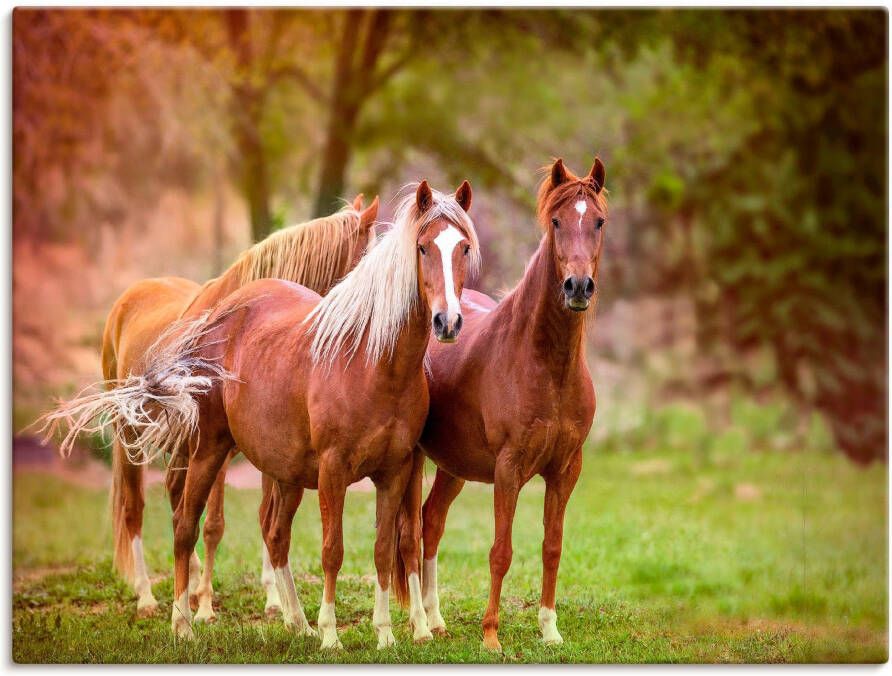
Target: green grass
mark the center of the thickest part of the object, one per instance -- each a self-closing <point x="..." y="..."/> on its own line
<point x="743" y="557"/>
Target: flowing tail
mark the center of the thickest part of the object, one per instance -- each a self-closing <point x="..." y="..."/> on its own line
<point x="407" y="543"/>
<point x="151" y="414"/>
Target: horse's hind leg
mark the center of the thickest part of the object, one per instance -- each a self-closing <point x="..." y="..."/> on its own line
<point x="280" y="502"/>
<point x="204" y="465"/>
<point x="214" y="524"/>
<point x="390" y="492"/>
<point x="444" y="491"/>
<point x="175" y="480"/>
<point x="273" y="604"/>
<point x="127" y="502"/>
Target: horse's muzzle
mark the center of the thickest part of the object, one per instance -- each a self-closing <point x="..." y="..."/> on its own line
<point x="578" y="292"/>
<point x="446" y="331"/>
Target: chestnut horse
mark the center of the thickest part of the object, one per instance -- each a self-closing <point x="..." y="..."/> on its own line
<point x="318" y="393"/>
<point x="316" y="254"/>
<point x="515" y="398"/>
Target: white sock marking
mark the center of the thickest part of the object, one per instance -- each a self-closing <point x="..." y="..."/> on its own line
<point x="381" y="618"/>
<point x="181" y="617"/>
<point x="548" y="626"/>
<point x="141" y="583"/>
<point x="430" y="595"/>
<point x="292" y="610"/>
<point x="446" y="242"/>
<point x="328" y="625"/>
<point x="417" y="616"/>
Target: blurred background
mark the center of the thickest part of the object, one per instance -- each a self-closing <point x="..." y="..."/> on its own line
<point x="743" y="291"/>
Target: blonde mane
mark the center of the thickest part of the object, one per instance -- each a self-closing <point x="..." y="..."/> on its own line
<point x="302" y="253"/>
<point x="374" y="300"/>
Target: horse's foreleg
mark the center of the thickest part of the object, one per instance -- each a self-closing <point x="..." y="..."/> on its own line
<point x="214" y="524"/>
<point x="558" y="487"/>
<point x="332" y="488"/>
<point x="280" y="502"/>
<point x="507" y="486"/>
<point x="203" y="468"/>
<point x="444" y="491"/>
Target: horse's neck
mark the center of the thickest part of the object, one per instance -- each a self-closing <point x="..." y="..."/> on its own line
<point x="411" y="345"/>
<point x="538" y="318"/>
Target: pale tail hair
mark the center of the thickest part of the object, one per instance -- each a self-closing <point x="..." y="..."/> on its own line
<point x="375" y="299"/>
<point x="151" y="414"/>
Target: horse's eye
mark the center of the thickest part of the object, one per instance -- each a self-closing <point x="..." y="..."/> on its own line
<point x="422" y="250"/>
<point x="555" y="222"/>
<point x="599" y="223"/>
<point x="467" y="249"/>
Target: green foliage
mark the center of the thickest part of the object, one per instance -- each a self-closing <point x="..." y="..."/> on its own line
<point x="755" y="557"/>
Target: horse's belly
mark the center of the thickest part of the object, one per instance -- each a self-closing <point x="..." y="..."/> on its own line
<point x="462" y="456"/>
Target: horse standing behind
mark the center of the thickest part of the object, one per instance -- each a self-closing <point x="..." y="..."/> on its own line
<point x="317" y="393"/>
<point x="515" y="398"/>
<point x="316" y="254"/>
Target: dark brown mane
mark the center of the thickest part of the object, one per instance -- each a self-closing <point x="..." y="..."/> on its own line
<point x="551" y="198"/>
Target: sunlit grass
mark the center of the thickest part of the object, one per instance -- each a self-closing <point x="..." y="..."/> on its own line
<point x="668" y="557"/>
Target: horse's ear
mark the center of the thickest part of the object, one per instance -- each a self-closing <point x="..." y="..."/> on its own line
<point x="424" y="198"/>
<point x="598" y="174"/>
<point x="558" y="173"/>
<point x="357" y="202"/>
<point x="463" y="196"/>
<point x="367" y="217"/>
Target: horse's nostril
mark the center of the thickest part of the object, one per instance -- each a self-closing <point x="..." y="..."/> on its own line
<point x="439" y="322"/>
<point x="456" y="327"/>
<point x="589" y="287"/>
<point x="569" y="286"/>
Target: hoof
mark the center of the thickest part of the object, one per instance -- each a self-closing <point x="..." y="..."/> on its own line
<point x="553" y="640"/>
<point x="146" y="609"/>
<point x="272" y="612"/>
<point x="307" y="631"/>
<point x="492" y="644"/>
<point x="331" y="643"/>
<point x="440" y="631"/>
<point x="208" y="617"/>
<point x="386" y="639"/>
<point x="183" y="631"/>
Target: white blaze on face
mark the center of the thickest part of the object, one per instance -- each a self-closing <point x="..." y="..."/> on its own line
<point x="446" y="242"/>
<point x="581" y="208"/>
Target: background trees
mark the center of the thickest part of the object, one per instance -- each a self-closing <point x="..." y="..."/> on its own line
<point x="745" y="153"/>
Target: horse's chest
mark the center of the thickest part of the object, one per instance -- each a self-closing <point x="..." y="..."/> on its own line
<point x="549" y="427"/>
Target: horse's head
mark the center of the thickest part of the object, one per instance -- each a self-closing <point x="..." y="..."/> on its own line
<point x="365" y="228"/>
<point x="446" y="246"/>
<point x="573" y="212"/>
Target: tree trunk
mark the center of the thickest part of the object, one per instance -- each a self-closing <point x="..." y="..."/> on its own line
<point x="247" y="113"/>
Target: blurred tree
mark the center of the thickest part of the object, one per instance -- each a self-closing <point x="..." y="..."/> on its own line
<point x="792" y="225"/>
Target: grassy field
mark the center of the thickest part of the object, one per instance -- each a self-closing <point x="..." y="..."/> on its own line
<point x="747" y="557"/>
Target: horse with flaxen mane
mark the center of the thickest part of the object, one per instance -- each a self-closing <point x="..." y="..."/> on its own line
<point x="316" y="254"/>
<point x="515" y="398"/>
<point x="319" y="393"/>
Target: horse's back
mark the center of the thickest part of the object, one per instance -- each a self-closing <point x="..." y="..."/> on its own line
<point x="137" y="318"/>
<point x="269" y="295"/>
<point x="476" y="301"/>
